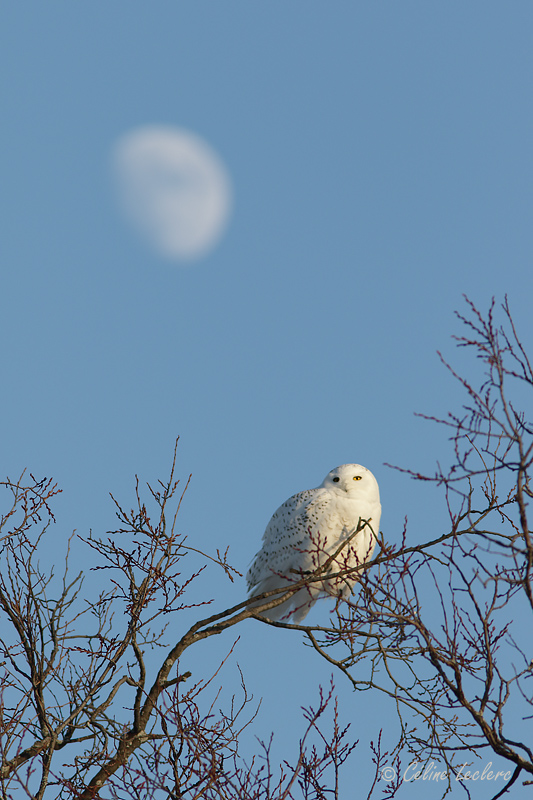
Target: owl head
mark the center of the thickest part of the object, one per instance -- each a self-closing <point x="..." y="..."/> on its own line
<point x="352" y="480"/>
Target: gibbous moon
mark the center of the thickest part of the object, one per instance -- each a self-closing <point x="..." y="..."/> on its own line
<point x="174" y="188"/>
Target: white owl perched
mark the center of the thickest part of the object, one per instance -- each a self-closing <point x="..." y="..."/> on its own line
<point x="307" y="529"/>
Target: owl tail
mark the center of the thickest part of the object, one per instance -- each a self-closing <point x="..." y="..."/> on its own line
<point x="294" y="609"/>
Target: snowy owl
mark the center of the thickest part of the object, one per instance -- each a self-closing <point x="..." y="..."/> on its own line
<point x="310" y="527"/>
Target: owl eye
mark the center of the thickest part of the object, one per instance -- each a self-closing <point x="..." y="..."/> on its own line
<point x="357" y="477"/>
<point x="336" y="480"/>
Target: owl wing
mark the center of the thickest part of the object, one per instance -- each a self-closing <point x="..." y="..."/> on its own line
<point x="287" y="537"/>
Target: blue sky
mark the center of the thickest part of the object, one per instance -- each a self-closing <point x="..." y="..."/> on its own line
<point x="381" y="162"/>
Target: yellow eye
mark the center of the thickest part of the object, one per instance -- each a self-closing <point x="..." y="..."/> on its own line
<point x="357" y="477"/>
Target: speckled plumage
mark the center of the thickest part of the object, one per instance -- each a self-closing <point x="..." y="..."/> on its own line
<point x="307" y="529"/>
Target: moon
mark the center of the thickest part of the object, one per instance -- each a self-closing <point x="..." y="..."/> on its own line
<point x="174" y="189"/>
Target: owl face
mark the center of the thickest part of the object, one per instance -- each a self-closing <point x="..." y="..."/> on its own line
<point x="352" y="480"/>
